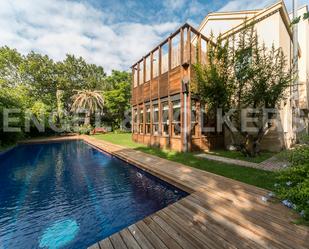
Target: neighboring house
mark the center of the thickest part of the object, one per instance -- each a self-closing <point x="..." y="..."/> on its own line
<point x="161" y="103"/>
<point x="303" y="62"/>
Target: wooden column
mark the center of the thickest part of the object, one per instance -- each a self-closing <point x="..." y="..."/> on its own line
<point x="189" y="95"/>
<point x="181" y="46"/>
<point x="170" y="113"/>
<point x="159" y="100"/>
<point x="144" y="67"/>
<point x="189" y="45"/>
<point x="199" y="48"/>
<point x="138" y="68"/>
<point x="150" y="91"/>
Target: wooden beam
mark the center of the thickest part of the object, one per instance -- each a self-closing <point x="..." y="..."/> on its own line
<point x="138" y="78"/>
<point x="169" y="54"/>
<point x="186" y="25"/>
<point x="144" y="69"/>
<point x="151" y="65"/>
<point x="181" y="46"/>
<point x="188" y="44"/>
<point x="199" y="48"/>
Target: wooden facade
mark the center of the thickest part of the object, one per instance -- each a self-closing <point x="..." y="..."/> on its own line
<point x="164" y="114"/>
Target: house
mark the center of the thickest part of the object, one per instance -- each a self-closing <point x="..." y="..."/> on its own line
<point x="165" y="114"/>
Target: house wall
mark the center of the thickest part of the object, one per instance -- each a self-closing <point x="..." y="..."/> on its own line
<point x="217" y="23"/>
<point x="303" y="62"/>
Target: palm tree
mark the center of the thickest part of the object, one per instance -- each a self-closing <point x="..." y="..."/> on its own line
<point x="91" y="101"/>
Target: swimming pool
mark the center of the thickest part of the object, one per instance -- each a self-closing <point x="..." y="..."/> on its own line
<point x="70" y="195"/>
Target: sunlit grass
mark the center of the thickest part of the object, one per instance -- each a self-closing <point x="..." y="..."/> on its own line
<point x="264" y="155"/>
<point x="256" y="177"/>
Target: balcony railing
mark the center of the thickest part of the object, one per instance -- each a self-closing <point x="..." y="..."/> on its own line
<point x="183" y="47"/>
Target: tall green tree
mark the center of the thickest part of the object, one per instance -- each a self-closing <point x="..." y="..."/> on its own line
<point x="242" y="74"/>
<point x="75" y="74"/>
<point x="14" y="94"/>
<point x="117" y="97"/>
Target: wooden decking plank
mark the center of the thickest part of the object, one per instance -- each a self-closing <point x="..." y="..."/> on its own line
<point x="235" y="224"/>
<point x="129" y="240"/>
<point x="154" y="238"/>
<point x="117" y="241"/>
<point x="169" y="241"/>
<point x="270" y="209"/>
<point x="213" y="229"/>
<point x="257" y="216"/>
<point x="106" y="244"/>
<point x="205" y="238"/>
<point x="94" y="246"/>
<point x="140" y="237"/>
<point x="227" y="223"/>
<point x="191" y="230"/>
<point x="176" y="234"/>
<point x="245" y="220"/>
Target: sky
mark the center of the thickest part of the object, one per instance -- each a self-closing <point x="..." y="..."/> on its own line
<point x="110" y="33"/>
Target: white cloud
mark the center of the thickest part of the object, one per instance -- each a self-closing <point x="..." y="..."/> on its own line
<point x="174" y="4"/>
<point x="252" y="4"/>
<point x="59" y="27"/>
<point x="245" y="5"/>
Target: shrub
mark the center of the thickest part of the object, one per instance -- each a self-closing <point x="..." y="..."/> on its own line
<point x="304" y="139"/>
<point x="299" y="155"/>
<point x="293" y="182"/>
<point x="84" y="129"/>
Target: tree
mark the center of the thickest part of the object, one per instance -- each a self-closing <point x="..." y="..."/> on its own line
<point x="91" y="101"/>
<point x="75" y="74"/>
<point x="36" y="83"/>
<point x="242" y="74"/>
<point x="117" y="97"/>
<point x="39" y="73"/>
<point x="213" y="82"/>
<point x="297" y="19"/>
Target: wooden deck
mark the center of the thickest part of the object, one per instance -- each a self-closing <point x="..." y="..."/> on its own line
<point x="218" y="213"/>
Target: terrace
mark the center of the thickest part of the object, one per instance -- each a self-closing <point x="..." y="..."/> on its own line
<point x="156" y="74"/>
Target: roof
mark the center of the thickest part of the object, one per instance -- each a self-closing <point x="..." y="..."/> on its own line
<point x="251" y="16"/>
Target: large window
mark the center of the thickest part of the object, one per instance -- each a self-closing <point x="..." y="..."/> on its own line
<point x="194" y="118"/>
<point x="141" y="120"/>
<point x="155" y="120"/>
<point x="147" y="123"/>
<point x="165" y="119"/>
<point x="176" y="124"/>
<point x="135" y="125"/>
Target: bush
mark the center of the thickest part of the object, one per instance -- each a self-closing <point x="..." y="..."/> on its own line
<point x="84" y="129"/>
<point x="304" y="139"/>
<point x="299" y="155"/>
<point x="293" y="182"/>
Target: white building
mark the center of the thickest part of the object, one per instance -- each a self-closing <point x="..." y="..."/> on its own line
<point x="273" y="28"/>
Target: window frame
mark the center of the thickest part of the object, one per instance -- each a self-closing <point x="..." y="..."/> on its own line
<point x="147" y="122"/>
<point x="141" y="124"/>
<point x="155" y="124"/>
<point x="165" y="124"/>
<point x="176" y="104"/>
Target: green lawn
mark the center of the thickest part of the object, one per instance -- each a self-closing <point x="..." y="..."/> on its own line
<point x="259" y="178"/>
<point x="238" y="155"/>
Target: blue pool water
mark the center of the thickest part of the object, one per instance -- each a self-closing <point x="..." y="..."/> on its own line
<point x="70" y="195"/>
